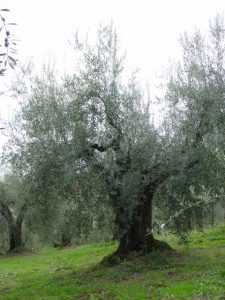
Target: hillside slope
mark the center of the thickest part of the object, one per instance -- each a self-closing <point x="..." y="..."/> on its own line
<point x="194" y="271"/>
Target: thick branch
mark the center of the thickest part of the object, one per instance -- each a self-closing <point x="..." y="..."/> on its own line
<point x="176" y="171"/>
<point x="154" y="178"/>
<point x="115" y="144"/>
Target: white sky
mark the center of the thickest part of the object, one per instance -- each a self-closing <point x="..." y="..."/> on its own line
<point x="148" y="29"/>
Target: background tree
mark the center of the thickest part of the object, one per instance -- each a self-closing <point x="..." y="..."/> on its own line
<point x="196" y="99"/>
<point x="13" y="207"/>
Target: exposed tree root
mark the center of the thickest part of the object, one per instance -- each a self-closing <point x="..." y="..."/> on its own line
<point x="118" y="256"/>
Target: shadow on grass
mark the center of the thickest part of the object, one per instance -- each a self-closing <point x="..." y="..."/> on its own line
<point x="157" y="271"/>
<point x="135" y="265"/>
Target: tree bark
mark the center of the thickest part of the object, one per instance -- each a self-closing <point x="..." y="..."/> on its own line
<point x="212" y="215"/>
<point x="14" y="226"/>
<point x="15" y="234"/>
<point x="66" y="238"/>
<point x="139" y="236"/>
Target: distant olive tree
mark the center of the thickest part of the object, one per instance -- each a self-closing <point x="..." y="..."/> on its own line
<point x="13" y="208"/>
<point x="195" y="97"/>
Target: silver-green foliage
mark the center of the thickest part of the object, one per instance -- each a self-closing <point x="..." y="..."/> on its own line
<point x="75" y="136"/>
<point x="195" y="96"/>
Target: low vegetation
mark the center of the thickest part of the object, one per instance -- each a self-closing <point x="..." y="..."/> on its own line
<point x="195" y="270"/>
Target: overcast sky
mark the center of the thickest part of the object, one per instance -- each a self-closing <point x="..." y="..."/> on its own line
<point x="148" y="29"/>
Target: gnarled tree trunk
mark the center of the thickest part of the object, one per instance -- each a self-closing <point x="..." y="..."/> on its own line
<point x="14" y="226"/>
<point x="138" y="236"/>
<point x="15" y="233"/>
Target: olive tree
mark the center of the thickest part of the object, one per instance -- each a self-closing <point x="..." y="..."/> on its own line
<point x="90" y="136"/>
<point x="13" y="207"/>
<point x="195" y="97"/>
<point x="116" y="139"/>
<point x="93" y="133"/>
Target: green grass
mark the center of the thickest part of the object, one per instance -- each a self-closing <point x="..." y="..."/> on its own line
<point x="194" y="271"/>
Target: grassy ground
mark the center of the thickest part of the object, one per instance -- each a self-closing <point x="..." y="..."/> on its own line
<point x="194" y="271"/>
